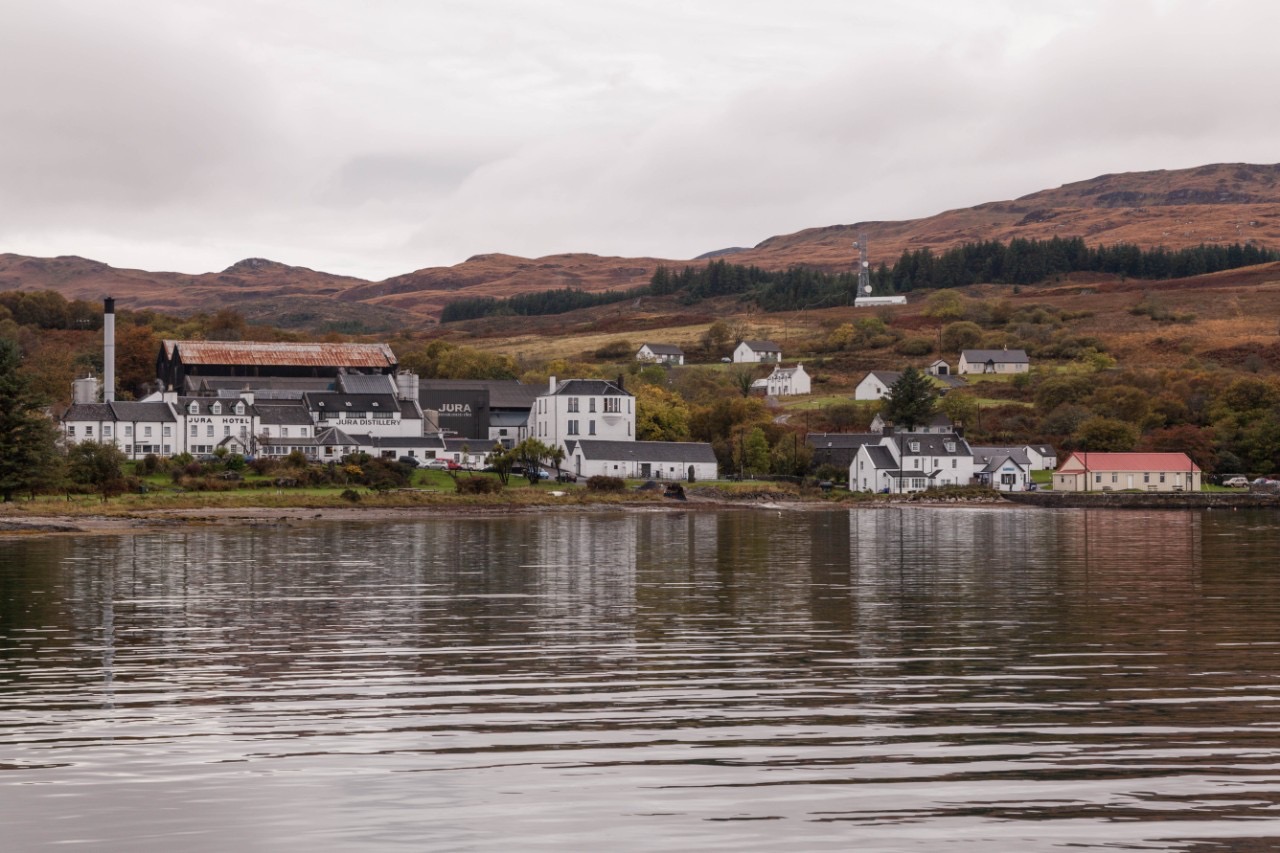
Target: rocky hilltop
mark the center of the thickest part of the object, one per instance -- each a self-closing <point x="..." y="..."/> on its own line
<point x="1223" y="203"/>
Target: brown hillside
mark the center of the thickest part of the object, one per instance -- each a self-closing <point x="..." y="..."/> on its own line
<point x="1221" y="203"/>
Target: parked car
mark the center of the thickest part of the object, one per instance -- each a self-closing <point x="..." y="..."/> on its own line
<point x="1236" y="482"/>
<point x="567" y="477"/>
<point x="436" y="464"/>
<point x="1263" y="481"/>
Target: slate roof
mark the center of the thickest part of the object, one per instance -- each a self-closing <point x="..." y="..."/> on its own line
<point x="590" y="388"/>
<point x="1043" y="449"/>
<point x="983" y="455"/>
<point x="886" y="377"/>
<point x="993" y="463"/>
<point x="999" y="356"/>
<point x="126" y="411"/>
<point x="842" y="440"/>
<point x="664" y="349"/>
<point x="364" y="383"/>
<point x="406" y="441"/>
<point x="282" y="414"/>
<point x="203" y="405"/>
<point x="333" y="401"/>
<point x="646" y="451"/>
<point x="474" y="445"/>
<point x="881" y="457"/>
<point x="503" y="393"/>
<point x="931" y="444"/>
<point x="284" y="387"/>
<point x="763" y="346"/>
<point x="333" y="436"/>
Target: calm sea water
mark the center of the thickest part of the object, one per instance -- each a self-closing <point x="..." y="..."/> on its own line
<point x="898" y="680"/>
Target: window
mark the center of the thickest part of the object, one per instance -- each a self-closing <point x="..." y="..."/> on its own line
<point x="1146" y="477"/>
<point x="215" y="409"/>
<point x="193" y="408"/>
<point x="226" y="430"/>
<point x="1115" y="478"/>
<point x="612" y="405"/>
<point x="953" y="463"/>
<point x="168" y="431"/>
<point x="208" y="432"/>
<point x="239" y="408"/>
<point x="1097" y="478"/>
<point x="195" y="430"/>
<point x="591" y="404"/>
<point x="302" y="431"/>
<point x="915" y="446"/>
<point x="591" y="427"/>
<point x="573" y="427"/>
<point x="71" y="431"/>
<point x="951" y="446"/>
<point x="1162" y="476"/>
<point x="573" y="404"/>
<point x="106" y="430"/>
<point x="128" y="430"/>
<point x="284" y="432"/>
<point x="88" y="432"/>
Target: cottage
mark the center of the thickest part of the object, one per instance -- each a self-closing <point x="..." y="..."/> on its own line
<point x="137" y="429"/>
<point x="937" y="424"/>
<point x="876" y="384"/>
<point x="584" y="408"/>
<point x="644" y="460"/>
<point x="994" y="361"/>
<point x="787" y="381"/>
<point x="1006" y="469"/>
<point x="661" y="353"/>
<point x="755" y="352"/>
<point x="1042" y="456"/>
<point x="1148" y="472"/>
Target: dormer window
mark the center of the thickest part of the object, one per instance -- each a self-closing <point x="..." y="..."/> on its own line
<point x="951" y="446"/>
<point x="194" y="408"/>
<point x="915" y="446"/>
<point x="239" y="408"/>
<point x="215" y="409"/>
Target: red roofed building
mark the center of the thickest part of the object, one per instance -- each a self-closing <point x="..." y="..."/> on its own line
<point x="1114" y="472"/>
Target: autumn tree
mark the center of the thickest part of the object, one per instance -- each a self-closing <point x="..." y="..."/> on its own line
<point x="660" y="414"/>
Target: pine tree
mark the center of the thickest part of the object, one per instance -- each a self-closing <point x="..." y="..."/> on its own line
<point x="28" y="440"/>
<point x="911" y="400"/>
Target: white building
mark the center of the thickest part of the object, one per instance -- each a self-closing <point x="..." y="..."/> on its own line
<point x="1006" y="469"/>
<point x="207" y="421"/>
<point x="584" y="408"/>
<point x="643" y="460"/>
<point x="994" y="361"/>
<point x="755" y="352"/>
<point x="137" y="429"/>
<point x="371" y="414"/>
<point x="661" y="353"/>
<point x="912" y="462"/>
<point x="937" y="424"/>
<point x="876" y="384"/>
<point x="1042" y="456"/>
<point x="786" y="381"/>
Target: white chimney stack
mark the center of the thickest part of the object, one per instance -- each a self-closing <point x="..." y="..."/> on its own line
<point x="108" y="350"/>
<point x="551" y="385"/>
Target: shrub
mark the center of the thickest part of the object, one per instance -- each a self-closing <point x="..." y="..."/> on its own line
<point x="478" y="485"/>
<point x="601" y="483"/>
<point x="915" y="346"/>
<point x="350" y="495"/>
<point x="614" y="349"/>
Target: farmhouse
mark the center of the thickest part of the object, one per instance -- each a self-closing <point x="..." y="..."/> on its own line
<point x="876" y="384"/>
<point x="1148" y="472"/>
<point x="912" y="462"/>
<point x="786" y="381"/>
<point x="661" y="353"/>
<point x="994" y="361"/>
<point x="755" y="352"/>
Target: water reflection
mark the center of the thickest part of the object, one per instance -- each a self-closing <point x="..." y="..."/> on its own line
<point x="897" y="679"/>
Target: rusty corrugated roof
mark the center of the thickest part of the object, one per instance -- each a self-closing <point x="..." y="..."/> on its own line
<point x="282" y="354"/>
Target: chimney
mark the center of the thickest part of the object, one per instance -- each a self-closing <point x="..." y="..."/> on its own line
<point x="620" y="387"/>
<point x="108" y="350"/>
<point x="551" y="385"/>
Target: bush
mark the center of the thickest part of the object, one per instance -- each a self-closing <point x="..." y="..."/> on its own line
<point x="615" y="349"/>
<point x="601" y="483"/>
<point x="262" y="465"/>
<point x="915" y="346"/>
<point x="350" y="495"/>
<point x="478" y="485"/>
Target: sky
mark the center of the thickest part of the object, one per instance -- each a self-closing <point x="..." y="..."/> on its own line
<point x="376" y="138"/>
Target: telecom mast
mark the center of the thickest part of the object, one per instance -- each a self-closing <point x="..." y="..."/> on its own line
<point x="864" y="267"/>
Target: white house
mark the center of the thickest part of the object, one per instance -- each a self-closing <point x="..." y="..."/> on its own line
<point x="1006" y="469"/>
<point x="1042" y="456"/>
<point x="876" y="384"/>
<point x="912" y="462"/>
<point x="137" y="429"/>
<point x="584" y="408"/>
<point x="207" y="421"/>
<point x="661" y="353"/>
<point x="937" y="424"/>
<point x="786" y="381"/>
<point x="644" y="460"/>
<point x="755" y="352"/>
<point x="939" y="368"/>
<point x="994" y="361"/>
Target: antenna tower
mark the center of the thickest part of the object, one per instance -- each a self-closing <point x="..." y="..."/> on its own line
<point x="864" y="266"/>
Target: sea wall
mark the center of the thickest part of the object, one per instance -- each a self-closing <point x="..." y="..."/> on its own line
<point x="1147" y="500"/>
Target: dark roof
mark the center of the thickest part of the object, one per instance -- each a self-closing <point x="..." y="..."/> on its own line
<point x="332" y="401"/>
<point x="1000" y="356"/>
<point x="1043" y="449"/>
<point x="663" y="349"/>
<point x="473" y="445"/>
<point x="123" y="411"/>
<point x="763" y="346"/>
<point x="888" y="377"/>
<point x="279" y="386"/>
<point x="363" y="383"/>
<point x="881" y="456"/>
<point x="333" y="436"/>
<point x="503" y="393"/>
<point x="996" y="461"/>
<point x="394" y="441"/>
<point x="983" y="455"/>
<point x="204" y="404"/>
<point x="647" y="451"/>
<point x="291" y="413"/>
<point x="590" y="388"/>
<point x="842" y="440"/>
<point x="932" y="444"/>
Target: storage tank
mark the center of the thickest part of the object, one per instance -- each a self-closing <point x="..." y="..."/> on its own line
<point x="85" y="390"/>
<point x="407" y="386"/>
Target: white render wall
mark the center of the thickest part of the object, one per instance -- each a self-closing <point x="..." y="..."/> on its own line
<point x="134" y="439"/>
<point x="558" y="418"/>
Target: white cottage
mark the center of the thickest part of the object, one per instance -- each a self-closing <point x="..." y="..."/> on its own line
<point x="661" y="354"/>
<point x="642" y="460"/>
<point x="1006" y="469"/>
<point x="876" y="384"/>
<point x="755" y="352"/>
<point x="787" y="381"/>
<point x="912" y="462"/>
<point x="994" y="361"/>
<point x="137" y="429"/>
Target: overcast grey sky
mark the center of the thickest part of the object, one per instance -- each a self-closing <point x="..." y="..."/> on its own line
<point x="379" y="137"/>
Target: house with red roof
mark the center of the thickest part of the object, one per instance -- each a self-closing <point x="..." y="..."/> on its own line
<point x="1113" y="472"/>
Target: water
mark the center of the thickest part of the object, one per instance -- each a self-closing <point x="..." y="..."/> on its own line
<point x="899" y="680"/>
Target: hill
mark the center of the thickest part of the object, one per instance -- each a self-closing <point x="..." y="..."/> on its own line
<point x="1222" y="203"/>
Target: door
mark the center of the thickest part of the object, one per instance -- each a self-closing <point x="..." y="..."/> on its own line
<point x="644" y="470"/>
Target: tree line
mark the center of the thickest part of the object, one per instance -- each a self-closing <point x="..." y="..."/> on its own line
<point x="1019" y="261"/>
